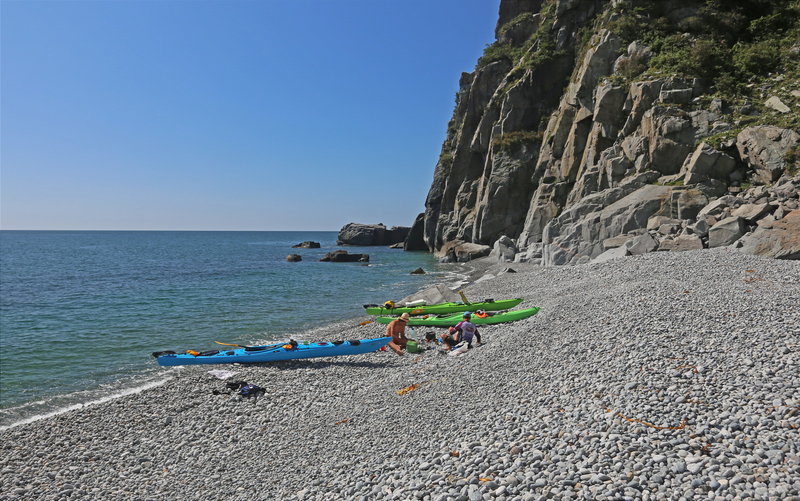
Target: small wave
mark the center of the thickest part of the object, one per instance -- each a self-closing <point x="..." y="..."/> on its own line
<point x="33" y="410"/>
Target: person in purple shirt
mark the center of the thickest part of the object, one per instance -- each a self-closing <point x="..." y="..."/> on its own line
<point x="463" y="331"/>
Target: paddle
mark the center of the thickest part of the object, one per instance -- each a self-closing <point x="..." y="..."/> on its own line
<point x="463" y="297"/>
<point x="231" y="344"/>
<point x="245" y="346"/>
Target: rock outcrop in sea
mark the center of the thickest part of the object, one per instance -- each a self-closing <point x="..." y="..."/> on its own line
<point x="372" y="234"/>
<point x="594" y="129"/>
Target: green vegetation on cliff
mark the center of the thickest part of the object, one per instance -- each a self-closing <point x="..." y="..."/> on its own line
<point x="537" y="48"/>
<point x="732" y="44"/>
<point x="511" y="140"/>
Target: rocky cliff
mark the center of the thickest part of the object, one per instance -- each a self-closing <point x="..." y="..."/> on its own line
<point x="594" y="125"/>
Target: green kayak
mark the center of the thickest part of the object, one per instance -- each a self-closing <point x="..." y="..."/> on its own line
<point x="449" y="320"/>
<point x="440" y="308"/>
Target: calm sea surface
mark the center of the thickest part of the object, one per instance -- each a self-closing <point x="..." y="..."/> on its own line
<point x="80" y="312"/>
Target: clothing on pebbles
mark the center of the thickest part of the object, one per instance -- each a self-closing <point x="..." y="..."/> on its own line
<point x="663" y="376"/>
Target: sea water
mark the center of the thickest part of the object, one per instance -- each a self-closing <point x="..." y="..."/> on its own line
<point x="81" y="311"/>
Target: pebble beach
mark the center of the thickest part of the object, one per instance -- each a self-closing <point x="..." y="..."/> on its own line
<point x="662" y="376"/>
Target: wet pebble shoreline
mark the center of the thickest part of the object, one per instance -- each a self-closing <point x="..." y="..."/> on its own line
<point x="664" y="376"/>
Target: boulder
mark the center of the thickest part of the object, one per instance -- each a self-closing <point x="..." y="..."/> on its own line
<point x="398" y="245"/>
<point x="415" y="241"/>
<point x="641" y="245"/>
<point x="434" y="294"/>
<point x="707" y="163"/>
<point x="307" y="245"/>
<point x="775" y="103"/>
<point x="675" y="96"/>
<point x="690" y="202"/>
<point x="293" y="258"/>
<point x="341" y="256"/>
<point x="371" y="234"/>
<point x="700" y="228"/>
<point x="766" y="220"/>
<point x="655" y="222"/>
<point x="780" y="240"/>
<point x="681" y="243"/>
<point x="753" y="212"/>
<point x="362" y="234"/>
<point x="460" y="251"/>
<point x="716" y="207"/>
<point x="504" y="249"/>
<point x="614" y="242"/>
<point x="764" y="147"/>
<point x="669" y="228"/>
<point x="726" y="232"/>
<point x="418" y="271"/>
<point x="615" y="253"/>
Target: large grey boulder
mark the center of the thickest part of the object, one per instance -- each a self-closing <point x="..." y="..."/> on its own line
<point x="780" y="239"/>
<point x="715" y="207"/>
<point x="371" y="234"/>
<point x="681" y="243"/>
<point x="764" y="147"/>
<point x="460" y="251"/>
<point x="708" y="163"/>
<point x="362" y="234"/>
<point x="700" y="228"/>
<point x="655" y="222"/>
<point x="753" y="212"/>
<point x="504" y="249"/>
<point x="614" y="242"/>
<point x="726" y="232"/>
<point x="689" y="202"/>
<point x="641" y="244"/>
<point x="615" y="253"/>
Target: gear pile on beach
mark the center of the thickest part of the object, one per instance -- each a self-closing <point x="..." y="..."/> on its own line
<point x="660" y="376"/>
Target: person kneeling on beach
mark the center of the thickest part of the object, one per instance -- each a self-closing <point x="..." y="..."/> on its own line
<point x="463" y="331"/>
<point x="397" y="329"/>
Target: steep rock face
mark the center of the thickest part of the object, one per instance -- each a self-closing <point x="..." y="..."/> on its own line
<point x="415" y="241"/>
<point x="556" y="146"/>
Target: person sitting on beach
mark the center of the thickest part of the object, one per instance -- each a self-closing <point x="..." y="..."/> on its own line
<point x="464" y="331"/>
<point x="468" y="330"/>
<point x="397" y="329"/>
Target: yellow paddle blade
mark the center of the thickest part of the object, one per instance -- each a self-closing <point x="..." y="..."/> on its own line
<point x="366" y="322"/>
<point x="227" y="344"/>
<point x="463" y="297"/>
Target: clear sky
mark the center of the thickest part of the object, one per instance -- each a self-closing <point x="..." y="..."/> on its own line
<point x="227" y="115"/>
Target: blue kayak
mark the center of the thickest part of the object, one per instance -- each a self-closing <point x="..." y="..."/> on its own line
<point x="273" y="353"/>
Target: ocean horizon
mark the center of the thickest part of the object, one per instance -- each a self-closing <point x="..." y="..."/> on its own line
<point x="81" y="310"/>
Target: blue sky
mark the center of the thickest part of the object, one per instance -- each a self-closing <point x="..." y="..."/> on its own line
<point x="227" y="115"/>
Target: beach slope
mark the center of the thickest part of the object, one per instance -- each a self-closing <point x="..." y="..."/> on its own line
<point x="661" y="376"/>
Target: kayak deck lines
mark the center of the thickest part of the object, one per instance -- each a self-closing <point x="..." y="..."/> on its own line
<point x="442" y="308"/>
